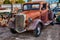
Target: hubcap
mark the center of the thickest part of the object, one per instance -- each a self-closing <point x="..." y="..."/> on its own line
<point x="38" y="29"/>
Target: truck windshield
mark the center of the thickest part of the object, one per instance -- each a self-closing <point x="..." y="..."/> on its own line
<point x="31" y="7"/>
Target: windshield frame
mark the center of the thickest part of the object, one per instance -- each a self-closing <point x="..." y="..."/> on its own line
<point x="31" y="4"/>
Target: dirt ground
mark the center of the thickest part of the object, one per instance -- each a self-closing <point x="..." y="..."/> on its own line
<point x="50" y="33"/>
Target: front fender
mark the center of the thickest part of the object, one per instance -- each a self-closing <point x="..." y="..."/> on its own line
<point x="11" y="25"/>
<point x="33" y="25"/>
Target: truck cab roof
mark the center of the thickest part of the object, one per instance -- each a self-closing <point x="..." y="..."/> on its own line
<point x="40" y="2"/>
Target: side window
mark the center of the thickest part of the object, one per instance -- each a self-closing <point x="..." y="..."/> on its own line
<point x="44" y="7"/>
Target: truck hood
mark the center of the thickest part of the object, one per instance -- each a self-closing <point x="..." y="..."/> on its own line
<point x="31" y="14"/>
<point x="28" y="12"/>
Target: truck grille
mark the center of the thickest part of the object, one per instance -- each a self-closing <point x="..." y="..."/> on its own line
<point x="19" y="22"/>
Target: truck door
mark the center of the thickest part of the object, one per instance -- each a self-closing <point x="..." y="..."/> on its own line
<point x="44" y="13"/>
<point x="50" y="13"/>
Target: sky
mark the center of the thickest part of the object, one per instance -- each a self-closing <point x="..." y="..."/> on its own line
<point x="50" y="1"/>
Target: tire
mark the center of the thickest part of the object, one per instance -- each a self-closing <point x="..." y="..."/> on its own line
<point x="53" y="20"/>
<point x="13" y="31"/>
<point x="52" y="23"/>
<point x="37" y="31"/>
<point x="54" y="15"/>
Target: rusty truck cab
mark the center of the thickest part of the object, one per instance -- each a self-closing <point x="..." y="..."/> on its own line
<point x="42" y="10"/>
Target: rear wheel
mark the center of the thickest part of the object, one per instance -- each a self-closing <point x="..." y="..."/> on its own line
<point x="52" y="23"/>
<point x="37" y="31"/>
<point x="13" y="31"/>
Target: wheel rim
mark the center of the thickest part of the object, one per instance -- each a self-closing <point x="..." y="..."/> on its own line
<point x="38" y="30"/>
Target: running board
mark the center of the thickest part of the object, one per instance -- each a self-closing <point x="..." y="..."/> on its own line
<point x="48" y="22"/>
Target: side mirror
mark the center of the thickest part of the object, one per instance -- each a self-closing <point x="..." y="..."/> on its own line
<point x="20" y="10"/>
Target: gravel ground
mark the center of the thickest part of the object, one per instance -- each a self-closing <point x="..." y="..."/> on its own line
<point x="50" y="33"/>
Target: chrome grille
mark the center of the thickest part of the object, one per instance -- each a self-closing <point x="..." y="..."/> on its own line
<point x="19" y="22"/>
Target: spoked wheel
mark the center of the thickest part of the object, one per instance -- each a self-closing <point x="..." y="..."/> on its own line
<point x="13" y="31"/>
<point x="37" y="31"/>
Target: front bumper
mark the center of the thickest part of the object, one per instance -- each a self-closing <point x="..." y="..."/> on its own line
<point x="12" y="26"/>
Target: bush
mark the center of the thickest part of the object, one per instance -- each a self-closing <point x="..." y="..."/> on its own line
<point x="7" y="2"/>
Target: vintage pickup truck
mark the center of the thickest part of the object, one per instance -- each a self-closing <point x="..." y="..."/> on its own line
<point x="34" y="16"/>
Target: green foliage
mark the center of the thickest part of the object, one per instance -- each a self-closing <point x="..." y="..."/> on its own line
<point x="20" y="1"/>
<point x="7" y="2"/>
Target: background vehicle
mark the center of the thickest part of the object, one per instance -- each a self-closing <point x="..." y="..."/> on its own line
<point x="4" y="17"/>
<point x="58" y="17"/>
<point x="56" y="11"/>
<point x="34" y="17"/>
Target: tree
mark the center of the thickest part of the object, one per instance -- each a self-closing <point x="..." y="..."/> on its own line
<point x="7" y="2"/>
<point x="20" y="1"/>
<point x="12" y="1"/>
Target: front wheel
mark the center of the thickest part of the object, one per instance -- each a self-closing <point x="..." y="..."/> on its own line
<point x="37" y="31"/>
<point x="13" y="31"/>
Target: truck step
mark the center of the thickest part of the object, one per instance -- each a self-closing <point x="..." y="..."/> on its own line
<point x="48" y="22"/>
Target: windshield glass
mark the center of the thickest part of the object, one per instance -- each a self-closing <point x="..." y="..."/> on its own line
<point x="31" y="7"/>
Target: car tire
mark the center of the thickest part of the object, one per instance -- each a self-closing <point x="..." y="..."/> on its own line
<point x="13" y="31"/>
<point x="53" y="18"/>
<point x="37" y="31"/>
<point x="52" y="23"/>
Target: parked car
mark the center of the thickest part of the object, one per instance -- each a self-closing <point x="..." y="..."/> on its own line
<point x="56" y="11"/>
<point x="58" y="18"/>
<point x="4" y="17"/>
<point x="34" y="17"/>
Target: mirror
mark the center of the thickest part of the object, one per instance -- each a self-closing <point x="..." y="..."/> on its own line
<point x="20" y="10"/>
